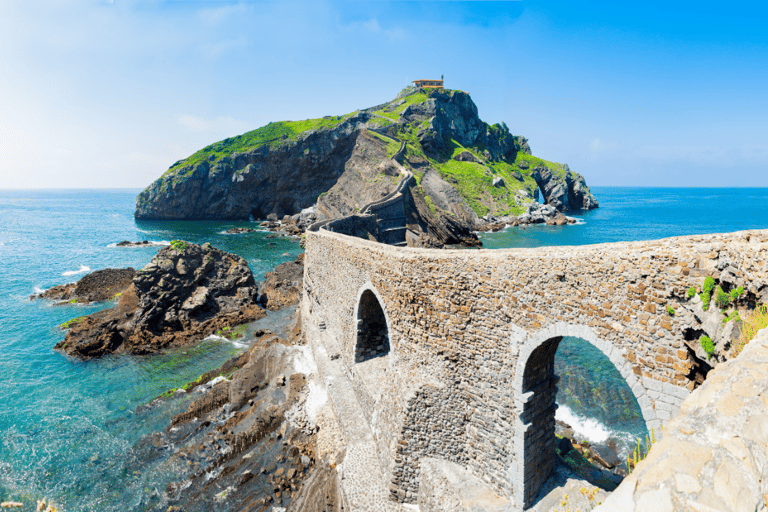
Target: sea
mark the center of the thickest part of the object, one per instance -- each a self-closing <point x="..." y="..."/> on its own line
<point x="77" y="432"/>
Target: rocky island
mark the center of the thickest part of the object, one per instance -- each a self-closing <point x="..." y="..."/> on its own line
<point x="456" y="173"/>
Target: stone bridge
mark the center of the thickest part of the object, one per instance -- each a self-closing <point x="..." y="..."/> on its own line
<point x="451" y="352"/>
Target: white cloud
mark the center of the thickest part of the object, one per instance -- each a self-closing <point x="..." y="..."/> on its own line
<point x="223" y="126"/>
<point x="193" y="124"/>
<point x="217" y="49"/>
<point x="372" y="26"/>
<point x="217" y="15"/>
<point x="598" y="146"/>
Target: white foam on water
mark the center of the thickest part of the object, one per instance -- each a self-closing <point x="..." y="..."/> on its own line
<point x="585" y="428"/>
<point x="82" y="270"/>
<point x="38" y="290"/>
<point x="578" y="221"/>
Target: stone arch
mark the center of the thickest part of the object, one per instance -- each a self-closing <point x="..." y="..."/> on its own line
<point x="372" y="326"/>
<point x="535" y="390"/>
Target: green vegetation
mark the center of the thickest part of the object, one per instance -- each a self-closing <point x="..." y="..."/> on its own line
<point x="691" y="292"/>
<point x="72" y="301"/>
<point x="116" y="296"/>
<point x="69" y="323"/>
<point x="751" y="323"/>
<point x="430" y="203"/>
<point x="392" y="145"/>
<point x="736" y="293"/>
<point x="271" y="135"/>
<point x="639" y="453"/>
<point x="706" y="290"/>
<point x="722" y="299"/>
<point x="394" y="114"/>
<point x="179" y="245"/>
<point x="707" y="345"/>
<point x="232" y="333"/>
<point x="733" y="316"/>
<point x="670" y="310"/>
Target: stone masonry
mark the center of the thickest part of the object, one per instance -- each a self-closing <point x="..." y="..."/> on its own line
<point x="472" y="335"/>
<point x="714" y="455"/>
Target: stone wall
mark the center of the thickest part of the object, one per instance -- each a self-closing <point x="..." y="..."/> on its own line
<point x="464" y="324"/>
<point x="714" y="455"/>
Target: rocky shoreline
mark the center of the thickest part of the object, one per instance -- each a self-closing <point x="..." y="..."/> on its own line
<point x="246" y="438"/>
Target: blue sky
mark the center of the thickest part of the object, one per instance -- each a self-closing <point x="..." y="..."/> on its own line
<point x="110" y="94"/>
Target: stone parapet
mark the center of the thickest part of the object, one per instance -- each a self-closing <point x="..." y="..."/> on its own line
<point x="714" y="455"/>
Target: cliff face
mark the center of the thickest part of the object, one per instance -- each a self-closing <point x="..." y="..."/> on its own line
<point x="470" y="168"/>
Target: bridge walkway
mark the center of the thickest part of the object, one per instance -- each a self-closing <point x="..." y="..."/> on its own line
<point x="363" y="484"/>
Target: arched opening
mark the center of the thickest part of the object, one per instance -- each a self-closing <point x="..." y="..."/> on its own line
<point x="372" y="333"/>
<point x="596" y="404"/>
<point x="542" y="376"/>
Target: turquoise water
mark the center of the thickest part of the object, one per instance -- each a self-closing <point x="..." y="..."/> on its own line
<point x="69" y="429"/>
<point x="629" y="214"/>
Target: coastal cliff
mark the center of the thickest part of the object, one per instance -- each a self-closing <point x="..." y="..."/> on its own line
<point x="464" y="168"/>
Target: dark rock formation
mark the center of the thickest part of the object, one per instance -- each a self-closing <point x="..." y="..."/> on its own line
<point x="239" y="231"/>
<point x="96" y="286"/>
<point x="566" y="193"/>
<point x="185" y="293"/>
<point x="143" y="243"/>
<point x="282" y="286"/>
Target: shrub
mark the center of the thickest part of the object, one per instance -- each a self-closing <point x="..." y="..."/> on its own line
<point x="671" y="310"/>
<point x="704" y="301"/>
<point x="709" y="285"/>
<point x="722" y="299"/>
<point x="179" y="245"/>
<point x="751" y="323"/>
<point x="736" y="293"/>
<point x="691" y="292"/>
<point x="733" y="316"/>
<point x="707" y="345"/>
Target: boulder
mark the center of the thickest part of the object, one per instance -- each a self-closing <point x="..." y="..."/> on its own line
<point x="282" y="286"/>
<point x="466" y="156"/>
<point x="184" y="294"/>
<point x="499" y="182"/>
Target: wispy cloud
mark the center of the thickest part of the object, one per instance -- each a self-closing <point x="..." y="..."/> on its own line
<point x="216" y="15"/>
<point x="215" y="50"/>
<point x="223" y="126"/>
<point x="373" y="26"/>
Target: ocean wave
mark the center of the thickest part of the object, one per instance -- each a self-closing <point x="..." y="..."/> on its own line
<point x="82" y="270"/>
<point x="587" y="428"/>
<point x="578" y="221"/>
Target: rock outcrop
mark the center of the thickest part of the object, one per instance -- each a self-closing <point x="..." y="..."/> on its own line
<point x="714" y="455"/>
<point x="185" y="293"/>
<point x="282" y="286"/>
<point x="97" y="286"/>
<point x="567" y="191"/>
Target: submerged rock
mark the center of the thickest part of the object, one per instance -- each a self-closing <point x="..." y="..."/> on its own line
<point x="185" y="293"/>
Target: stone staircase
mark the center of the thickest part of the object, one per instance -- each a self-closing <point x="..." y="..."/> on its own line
<point x="390" y="210"/>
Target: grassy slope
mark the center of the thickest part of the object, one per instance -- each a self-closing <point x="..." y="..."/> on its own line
<point x="270" y="134"/>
